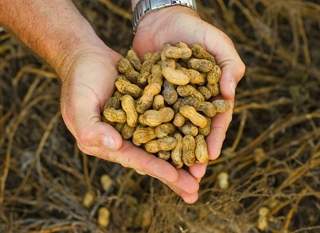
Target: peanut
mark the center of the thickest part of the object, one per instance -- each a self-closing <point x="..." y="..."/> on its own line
<point x="146" y="100"/>
<point x="89" y="199"/>
<point x="181" y="52"/>
<point x="195" y="77"/>
<point x="214" y="89"/>
<point x="103" y="217"/>
<point x="119" y="126"/>
<point x="221" y="105"/>
<point x="214" y="75"/>
<point x="189" y="90"/>
<point x="201" y="151"/>
<point x="143" y="135"/>
<point x="179" y="120"/>
<point x="127" y="131"/>
<point x="125" y="67"/>
<point x="188" y="150"/>
<point x="176" y="154"/>
<point x="165" y="130"/>
<point x="206" y="130"/>
<point x="201" y="65"/>
<point x="206" y="92"/>
<point x="154" y="118"/>
<point x="189" y="129"/>
<point x="165" y="94"/>
<point x="158" y="102"/>
<point x="134" y="59"/>
<point x="156" y="75"/>
<point x="165" y="155"/>
<point x="150" y="60"/>
<point x="196" y="118"/>
<point x="106" y="182"/>
<point x="114" y="115"/>
<point x="169" y="93"/>
<point x="162" y="144"/>
<point x="128" y="105"/>
<point x="125" y="87"/>
<point x="198" y="51"/>
<point x="175" y="76"/>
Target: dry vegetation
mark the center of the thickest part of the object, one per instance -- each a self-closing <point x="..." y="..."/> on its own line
<point x="267" y="178"/>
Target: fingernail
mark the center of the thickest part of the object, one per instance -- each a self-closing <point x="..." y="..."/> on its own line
<point x="109" y="143"/>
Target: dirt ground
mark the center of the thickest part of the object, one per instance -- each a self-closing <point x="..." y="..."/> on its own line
<point x="271" y="155"/>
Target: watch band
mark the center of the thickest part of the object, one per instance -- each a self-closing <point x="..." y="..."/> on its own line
<point x="143" y="7"/>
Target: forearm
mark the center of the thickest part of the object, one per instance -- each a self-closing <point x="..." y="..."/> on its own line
<point x="54" y="29"/>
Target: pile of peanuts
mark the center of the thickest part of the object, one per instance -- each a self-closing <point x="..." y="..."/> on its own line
<point x="165" y="103"/>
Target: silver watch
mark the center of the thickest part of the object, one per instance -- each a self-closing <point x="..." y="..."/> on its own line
<point x="143" y="7"/>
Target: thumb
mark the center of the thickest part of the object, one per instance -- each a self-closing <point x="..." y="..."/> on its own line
<point x="83" y="95"/>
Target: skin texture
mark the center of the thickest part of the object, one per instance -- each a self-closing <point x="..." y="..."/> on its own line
<point x="87" y="68"/>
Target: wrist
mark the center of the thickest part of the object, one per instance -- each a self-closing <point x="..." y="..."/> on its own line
<point x="159" y="18"/>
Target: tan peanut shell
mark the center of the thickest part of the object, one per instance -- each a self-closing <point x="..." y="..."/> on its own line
<point x="146" y="100"/>
<point x="156" y="75"/>
<point x="125" y="67"/>
<point x="127" y="131"/>
<point x="221" y="105"/>
<point x="196" y="118"/>
<point x="165" y="130"/>
<point x="169" y="93"/>
<point x="214" y="75"/>
<point x="188" y="150"/>
<point x="165" y="103"/>
<point x="125" y="87"/>
<point x="176" y="154"/>
<point x="179" y="120"/>
<point x="214" y="89"/>
<point x="143" y="135"/>
<point x="162" y="144"/>
<point x="129" y="106"/>
<point x="201" y="151"/>
<point x="201" y="65"/>
<point x="165" y="155"/>
<point x="198" y="51"/>
<point x="158" y="102"/>
<point x="205" y="91"/>
<point x="115" y="115"/>
<point x="134" y="59"/>
<point x="182" y="52"/>
<point x="189" y="129"/>
<point x="154" y="118"/>
<point x="206" y="130"/>
<point x="196" y="77"/>
<point x="189" y="90"/>
<point x="175" y="76"/>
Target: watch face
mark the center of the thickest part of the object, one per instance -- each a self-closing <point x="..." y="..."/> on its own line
<point x="161" y="3"/>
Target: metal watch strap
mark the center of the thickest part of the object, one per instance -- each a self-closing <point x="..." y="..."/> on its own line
<point x="143" y="7"/>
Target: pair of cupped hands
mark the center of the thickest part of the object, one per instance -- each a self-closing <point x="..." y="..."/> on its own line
<point x="88" y="81"/>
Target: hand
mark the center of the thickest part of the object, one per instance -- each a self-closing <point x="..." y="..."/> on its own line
<point x="175" y="24"/>
<point x="87" y="83"/>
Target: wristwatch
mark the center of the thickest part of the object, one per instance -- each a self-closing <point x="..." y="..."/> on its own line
<point x="143" y="7"/>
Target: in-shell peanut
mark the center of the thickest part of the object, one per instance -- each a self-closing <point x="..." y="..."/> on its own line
<point x="166" y="101"/>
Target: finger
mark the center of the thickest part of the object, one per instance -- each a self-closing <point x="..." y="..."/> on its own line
<point x="220" y="124"/>
<point x="179" y="181"/>
<point x="82" y="116"/>
<point x="186" y="187"/>
<point x="136" y="158"/>
<point x="83" y="94"/>
<point x="198" y="171"/>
